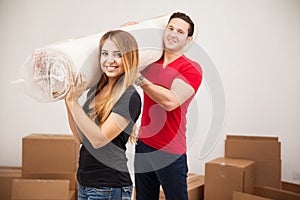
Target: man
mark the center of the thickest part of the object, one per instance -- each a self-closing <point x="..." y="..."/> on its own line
<point x="169" y="86"/>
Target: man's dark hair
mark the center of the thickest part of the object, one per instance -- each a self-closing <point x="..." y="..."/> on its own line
<point x="186" y="19"/>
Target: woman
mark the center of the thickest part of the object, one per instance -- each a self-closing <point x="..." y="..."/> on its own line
<point x="104" y="124"/>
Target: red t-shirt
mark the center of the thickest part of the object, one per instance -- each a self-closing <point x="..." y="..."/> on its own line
<point x="161" y="129"/>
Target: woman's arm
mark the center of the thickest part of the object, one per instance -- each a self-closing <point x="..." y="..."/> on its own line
<point x="73" y="126"/>
<point x="98" y="136"/>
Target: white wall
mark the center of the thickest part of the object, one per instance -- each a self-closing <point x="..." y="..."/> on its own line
<point x="255" y="46"/>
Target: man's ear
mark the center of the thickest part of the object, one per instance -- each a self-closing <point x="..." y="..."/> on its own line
<point x="189" y="39"/>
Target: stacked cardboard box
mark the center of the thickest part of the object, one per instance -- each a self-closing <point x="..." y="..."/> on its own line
<point x="223" y="176"/>
<point x="50" y="157"/>
<point x="48" y="160"/>
<point x="7" y="174"/>
<point x="24" y="189"/>
<point x="264" y="151"/>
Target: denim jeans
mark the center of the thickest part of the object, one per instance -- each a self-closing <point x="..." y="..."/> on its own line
<point x="154" y="168"/>
<point x="104" y="193"/>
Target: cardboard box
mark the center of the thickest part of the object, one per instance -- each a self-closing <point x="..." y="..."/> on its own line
<point x="47" y="156"/>
<point x="275" y="193"/>
<point x="245" y="196"/>
<point x="195" y="187"/>
<point x="7" y="174"/>
<point x="64" y="176"/>
<point x="223" y="176"/>
<point x="264" y="151"/>
<point x="290" y="187"/>
<point x="31" y="189"/>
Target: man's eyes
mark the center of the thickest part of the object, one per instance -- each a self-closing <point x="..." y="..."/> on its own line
<point x="178" y="31"/>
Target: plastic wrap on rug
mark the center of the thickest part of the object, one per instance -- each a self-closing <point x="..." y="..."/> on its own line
<point x="45" y="75"/>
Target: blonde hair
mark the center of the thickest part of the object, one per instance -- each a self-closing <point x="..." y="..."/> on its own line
<point x="128" y="48"/>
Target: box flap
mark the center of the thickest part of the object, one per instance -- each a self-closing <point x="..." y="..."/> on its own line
<point x="47" y="136"/>
<point x="291" y="187"/>
<point x="275" y="193"/>
<point x="253" y="149"/>
<point x="241" y="137"/>
<point x="7" y="172"/>
<point x="195" y="181"/>
<point x="239" y="163"/>
<point x="245" y="196"/>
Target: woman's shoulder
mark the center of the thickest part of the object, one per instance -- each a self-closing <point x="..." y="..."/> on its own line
<point x="132" y="92"/>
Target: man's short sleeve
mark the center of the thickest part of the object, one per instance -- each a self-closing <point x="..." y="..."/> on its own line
<point x="192" y="74"/>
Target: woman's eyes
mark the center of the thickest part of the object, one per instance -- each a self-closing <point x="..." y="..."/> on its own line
<point x="103" y="53"/>
<point x="115" y="54"/>
<point x="118" y="54"/>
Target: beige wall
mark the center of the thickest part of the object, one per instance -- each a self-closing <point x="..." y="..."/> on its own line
<point x="255" y="46"/>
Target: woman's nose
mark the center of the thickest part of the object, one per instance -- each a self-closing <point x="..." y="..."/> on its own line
<point x="110" y="59"/>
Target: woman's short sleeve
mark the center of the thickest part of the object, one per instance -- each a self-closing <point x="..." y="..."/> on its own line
<point x="129" y="105"/>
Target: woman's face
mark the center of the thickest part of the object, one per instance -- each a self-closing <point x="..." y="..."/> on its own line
<point x="111" y="60"/>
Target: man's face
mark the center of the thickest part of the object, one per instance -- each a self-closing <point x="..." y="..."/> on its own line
<point x="176" y="35"/>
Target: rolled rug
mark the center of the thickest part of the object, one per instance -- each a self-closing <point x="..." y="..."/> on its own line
<point x="45" y="75"/>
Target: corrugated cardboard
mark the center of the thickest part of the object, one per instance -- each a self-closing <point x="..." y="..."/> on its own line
<point x="290" y="187"/>
<point x="44" y="153"/>
<point x="47" y="156"/>
<point x="195" y="187"/>
<point x="245" y="196"/>
<point x="253" y="148"/>
<point x="268" y="172"/>
<point x="70" y="176"/>
<point x="264" y="151"/>
<point x="223" y="176"/>
<point x="37" y="189"/>
<point x="275" y="193"/>
<point x="7" y="174"/>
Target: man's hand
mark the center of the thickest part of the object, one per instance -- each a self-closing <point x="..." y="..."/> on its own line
<point x="129" y="23"/>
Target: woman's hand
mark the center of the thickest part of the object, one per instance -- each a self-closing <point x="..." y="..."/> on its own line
<point x="77" y="88"/>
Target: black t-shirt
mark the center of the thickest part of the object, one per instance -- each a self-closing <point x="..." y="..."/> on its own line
<point x="107" y="166"/>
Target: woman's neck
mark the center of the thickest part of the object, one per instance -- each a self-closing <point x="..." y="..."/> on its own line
<point x="111" y="82"/>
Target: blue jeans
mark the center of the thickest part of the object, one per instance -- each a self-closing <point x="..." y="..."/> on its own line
<point x="154" y="168"/>
<point x="104" y="193"/>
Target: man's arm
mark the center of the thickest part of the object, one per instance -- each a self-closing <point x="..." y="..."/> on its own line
<point x="169" y="99"/>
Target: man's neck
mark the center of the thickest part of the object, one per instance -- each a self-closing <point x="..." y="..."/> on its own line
<point x="170" y="57"/>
